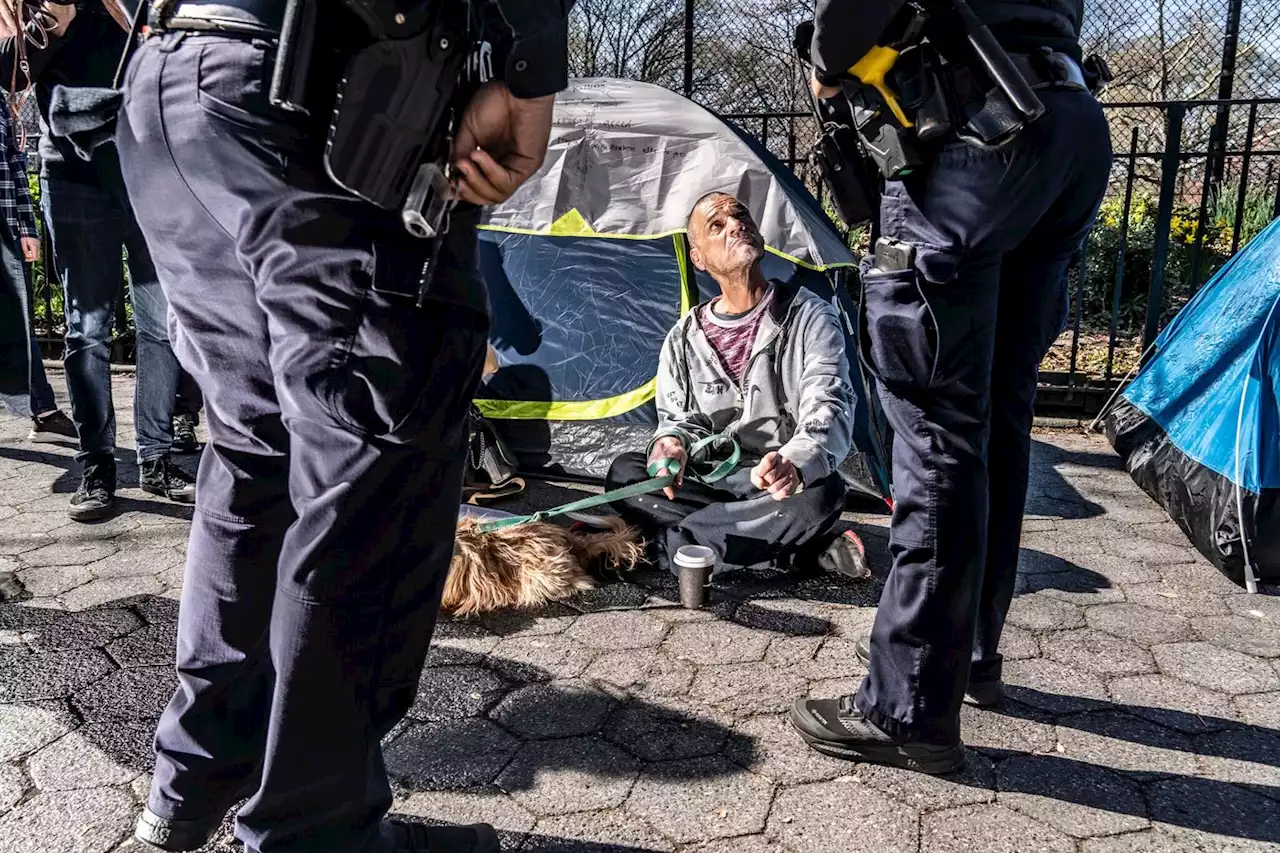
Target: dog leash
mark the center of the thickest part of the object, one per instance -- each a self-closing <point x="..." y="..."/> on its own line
<point x="710" y="460"/>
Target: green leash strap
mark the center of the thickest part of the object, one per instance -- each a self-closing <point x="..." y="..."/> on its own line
<point x="702" y="467"/>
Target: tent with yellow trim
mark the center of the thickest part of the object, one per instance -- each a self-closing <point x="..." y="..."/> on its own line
<point x="587" y="269"/>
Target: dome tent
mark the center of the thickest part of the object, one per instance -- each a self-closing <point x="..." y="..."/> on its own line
<point x="587" y="269"/>
<point x="1198" y="428"/>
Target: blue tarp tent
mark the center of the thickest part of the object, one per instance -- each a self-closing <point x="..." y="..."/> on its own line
<point x="1199" y="427"/>
<point x="587" y="269"/>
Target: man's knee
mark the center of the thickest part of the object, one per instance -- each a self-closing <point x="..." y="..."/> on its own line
<point x="627" y="469"/>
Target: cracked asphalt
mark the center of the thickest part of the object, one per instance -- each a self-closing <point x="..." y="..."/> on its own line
<point x="1143" y="712"/>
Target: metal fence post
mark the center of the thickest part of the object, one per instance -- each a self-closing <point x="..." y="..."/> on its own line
<point x="1164" y="215"/>
<point x="688" y="48"/>
<point x="1226" y="85"/>
<point x="1242" y="192"/>
<point x="1122" y="250"/>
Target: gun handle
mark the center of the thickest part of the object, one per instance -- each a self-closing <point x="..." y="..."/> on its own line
<point x="871" y="70"/>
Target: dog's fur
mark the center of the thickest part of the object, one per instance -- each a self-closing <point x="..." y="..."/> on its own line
<point x="531" y="564"/>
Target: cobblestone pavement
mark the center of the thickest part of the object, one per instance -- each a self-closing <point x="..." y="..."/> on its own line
<point x="1143" y="713"/>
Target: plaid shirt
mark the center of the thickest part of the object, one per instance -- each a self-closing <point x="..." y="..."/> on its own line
<point x="15" y="195"/>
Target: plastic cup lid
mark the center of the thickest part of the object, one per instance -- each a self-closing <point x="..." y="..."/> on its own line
<point x="695" y="556"/>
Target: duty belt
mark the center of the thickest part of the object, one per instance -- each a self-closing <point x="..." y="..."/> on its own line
<point x="252" y="18"/>
<point x="1045" y="70"/>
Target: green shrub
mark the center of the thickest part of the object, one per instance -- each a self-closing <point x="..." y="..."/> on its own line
<point x="1184" y="275"/>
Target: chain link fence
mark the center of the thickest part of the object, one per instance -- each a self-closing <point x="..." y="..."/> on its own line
<point x="735" y="57"/>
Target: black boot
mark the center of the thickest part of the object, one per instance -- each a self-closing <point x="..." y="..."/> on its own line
<point x="162" y="477"/>
<point x="418" y="838"/>
<point x="184" y="434"/>
<point x="96" y="496"/>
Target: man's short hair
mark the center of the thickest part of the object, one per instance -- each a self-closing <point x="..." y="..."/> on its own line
<point x="688" y="222"/>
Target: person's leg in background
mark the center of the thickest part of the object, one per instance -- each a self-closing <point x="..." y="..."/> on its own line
<point x="157" y="368"/>
<point x="186" y="415"/>
<point x="15" y="351"/>
<point x="43" y="401"/>
<point x="49" y="424"/>
<point x="86" y="235"/>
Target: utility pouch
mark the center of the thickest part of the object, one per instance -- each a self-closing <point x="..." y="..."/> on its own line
<point x="921" y="92"/>
<point x="888" y="144"/>
<point x="390" y="129"/>
<point x="994" y="121"/>
<point x="847" y="174"/>
<point x="844" y="167"/>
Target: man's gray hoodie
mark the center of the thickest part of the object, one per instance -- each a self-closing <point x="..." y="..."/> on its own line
<point x="795" y="397"/>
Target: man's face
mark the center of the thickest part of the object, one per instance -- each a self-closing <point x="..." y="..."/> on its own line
<point x="724" y="237"/>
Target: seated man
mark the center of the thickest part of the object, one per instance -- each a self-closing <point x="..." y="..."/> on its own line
<point x="765" y="363"/>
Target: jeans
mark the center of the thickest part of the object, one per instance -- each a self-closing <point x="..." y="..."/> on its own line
<point x="24" y="388"/>
<point x="42" y="399"/>
<point x="955" y="343"/>
<point x="90" y="226"/>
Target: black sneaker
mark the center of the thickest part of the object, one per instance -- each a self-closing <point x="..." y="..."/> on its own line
<point x="94" y="499"/>
<point x="418" y="838"/>
<point x="837" y="728"/>
<point x="162" y="477"/>
<point x="981" y="694"/>
<point x="184" y="434"/>
<point x="53" y="428"/>
<point x="175" y="836"/>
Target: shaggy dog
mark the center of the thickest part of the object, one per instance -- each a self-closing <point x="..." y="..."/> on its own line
<point x="531" y="564"/>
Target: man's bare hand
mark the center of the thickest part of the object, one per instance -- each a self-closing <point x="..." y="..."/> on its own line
<point x="670" y="447"/>
<point x="501" y="142"/>
<point x="777" y="475"/>
<point x="30" y="249"/>
<point x="820" y="90"/>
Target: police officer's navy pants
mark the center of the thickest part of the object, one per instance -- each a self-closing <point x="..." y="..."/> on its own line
<point x="328" y="493"/>
<point x="955" y="343"/>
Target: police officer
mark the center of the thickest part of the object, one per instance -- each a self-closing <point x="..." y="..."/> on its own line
<point x="336" y="409"/>
<point x="957" y="321"/>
